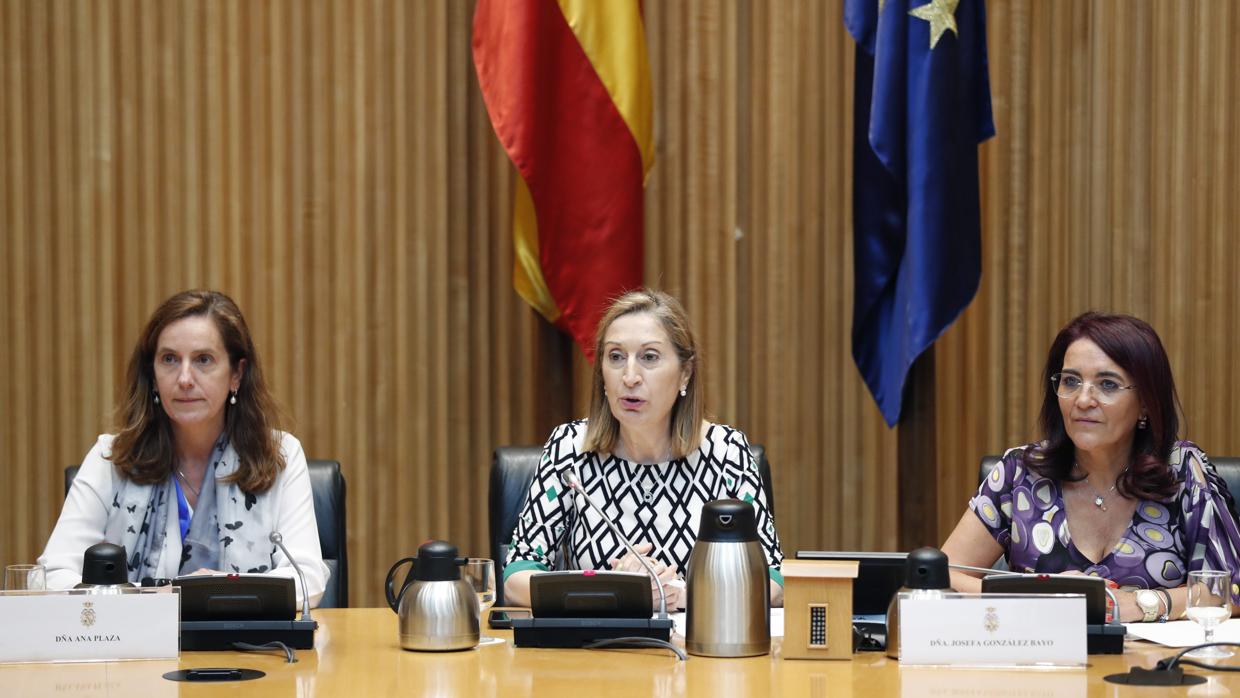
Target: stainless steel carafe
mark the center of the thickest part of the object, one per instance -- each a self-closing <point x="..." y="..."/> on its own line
<point x="438" y="610"/>
<point x="729" y="597"/>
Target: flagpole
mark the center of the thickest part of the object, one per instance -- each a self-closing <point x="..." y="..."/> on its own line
<point x="917" y="457"/>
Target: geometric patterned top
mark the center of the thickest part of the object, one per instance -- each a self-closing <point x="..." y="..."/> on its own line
<point x="658" y="503"/>
<point x="1024" y="512"/>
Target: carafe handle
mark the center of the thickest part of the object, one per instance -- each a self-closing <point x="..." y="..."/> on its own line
<point x="393" y="599"/>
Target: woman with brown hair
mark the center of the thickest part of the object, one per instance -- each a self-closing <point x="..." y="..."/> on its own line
<point x="647" y="454"/>
<point x="197" y="477"/>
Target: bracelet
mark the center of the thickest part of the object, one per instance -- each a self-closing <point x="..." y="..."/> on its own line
<point x="1165" y="596"/>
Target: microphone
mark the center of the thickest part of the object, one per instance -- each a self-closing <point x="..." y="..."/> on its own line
<point x="278" y="539"/>
<point x="570" y="480"/>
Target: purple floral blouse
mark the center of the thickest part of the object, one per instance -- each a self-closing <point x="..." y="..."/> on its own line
<point x="1194" y="530"/>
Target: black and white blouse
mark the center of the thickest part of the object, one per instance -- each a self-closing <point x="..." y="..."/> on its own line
<point x="658" y="503"/>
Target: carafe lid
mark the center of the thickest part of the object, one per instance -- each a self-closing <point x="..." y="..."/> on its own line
<point x="926" y="568"/>
<point x="437" y="562"/>
<point x="104" y="563"/>
<point x="728" y="521"/>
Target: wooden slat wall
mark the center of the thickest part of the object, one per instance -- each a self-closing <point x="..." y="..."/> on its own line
<point x="1113" y="186"/>
<point x="327" y="164"/>
<point x="330" y="165"/>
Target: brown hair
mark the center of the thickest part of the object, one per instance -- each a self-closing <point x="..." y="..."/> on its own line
<point x="688" y="411"/>
<point x="1134" y="345"/>
<point x="143" y="449"/>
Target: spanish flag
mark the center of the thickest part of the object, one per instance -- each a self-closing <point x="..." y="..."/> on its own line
<point x="567" y="86"/>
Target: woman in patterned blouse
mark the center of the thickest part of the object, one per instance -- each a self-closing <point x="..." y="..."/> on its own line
<point x="646" y="454"/>
<point x="1109" y="491"/>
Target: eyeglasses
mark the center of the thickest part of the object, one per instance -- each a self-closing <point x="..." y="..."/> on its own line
<point x="1106" y="390"/>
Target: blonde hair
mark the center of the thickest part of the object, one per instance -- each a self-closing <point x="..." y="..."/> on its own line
<point x="688" y="411"/>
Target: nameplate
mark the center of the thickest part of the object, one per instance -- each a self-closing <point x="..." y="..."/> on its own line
<point x="76" y="626"/>
<point x="993" y="630"/>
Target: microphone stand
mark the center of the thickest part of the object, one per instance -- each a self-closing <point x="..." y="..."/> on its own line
<point x="588" y="633"/>
<point x="256" y="635"/>
<point x="570" y="478"/>
<point x="983" y="570"/>
<point x="278" y="540"/>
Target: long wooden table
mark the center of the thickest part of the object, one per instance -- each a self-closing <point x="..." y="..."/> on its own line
<point x="358" y="655"/>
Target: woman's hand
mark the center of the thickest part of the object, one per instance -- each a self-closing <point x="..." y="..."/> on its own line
<point x="667" y="574"/>
<point x="1126" y="600"/>
<point x="1129" y="611"/>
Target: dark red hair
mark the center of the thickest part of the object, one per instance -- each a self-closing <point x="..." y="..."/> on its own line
<point x="1135" y="347"/>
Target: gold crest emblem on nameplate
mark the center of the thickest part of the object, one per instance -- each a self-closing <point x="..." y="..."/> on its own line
<point x="88" y="614"/>
<point x="992" y="619"/>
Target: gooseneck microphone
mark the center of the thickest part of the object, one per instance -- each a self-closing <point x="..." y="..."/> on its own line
<point x="278" y="539"/>
<point x="983" y="570"/>
<point x="570" y="480"/>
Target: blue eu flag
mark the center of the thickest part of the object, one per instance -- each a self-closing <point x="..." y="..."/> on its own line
<point x="922" y="107"/>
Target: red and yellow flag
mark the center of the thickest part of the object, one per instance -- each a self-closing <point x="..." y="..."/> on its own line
<point x="567" y="87"/>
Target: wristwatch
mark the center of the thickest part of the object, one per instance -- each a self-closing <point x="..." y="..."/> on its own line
<point x="1150" y="604"/>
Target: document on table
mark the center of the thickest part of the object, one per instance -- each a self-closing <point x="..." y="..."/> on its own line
<point x="1183" y="633"/>
<point x="777" y="622"/>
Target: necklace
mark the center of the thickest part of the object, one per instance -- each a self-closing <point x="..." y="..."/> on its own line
<point x="1100" y="497"/>
<point x="195" y="489"/>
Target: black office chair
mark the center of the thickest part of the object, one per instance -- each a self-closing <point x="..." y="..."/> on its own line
<point x="327" y="486"/>
<point x="512" y="471"/>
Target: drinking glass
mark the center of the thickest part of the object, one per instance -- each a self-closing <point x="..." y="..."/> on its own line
<point x="25" y="578"/>
<point x="1209" y="605"/>
<point x="480" y="571"/>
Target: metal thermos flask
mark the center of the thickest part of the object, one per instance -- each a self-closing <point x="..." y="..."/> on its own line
<point x="438" y="610"/>
<point x="729" y="598"/>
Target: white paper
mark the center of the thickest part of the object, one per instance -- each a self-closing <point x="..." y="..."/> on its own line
<point x="777" y="622"/>
<point x="74" y="626"/>
<point x="1183" y="633"/>
<point x="993" y="630"/>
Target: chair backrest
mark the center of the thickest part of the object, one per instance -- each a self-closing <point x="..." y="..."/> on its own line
<point x="327" y="486"/>
<point x="512" y="471"/>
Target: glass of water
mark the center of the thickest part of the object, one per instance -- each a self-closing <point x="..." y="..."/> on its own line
<point x="1209" y="604"/>
<point x="480" y="572"/>
<point x="25" y="578"/>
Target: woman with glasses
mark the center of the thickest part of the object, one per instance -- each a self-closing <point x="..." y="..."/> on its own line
<point x="1109" y="491"/>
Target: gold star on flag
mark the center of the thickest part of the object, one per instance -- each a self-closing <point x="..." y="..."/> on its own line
<point x="941" y="14"/>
